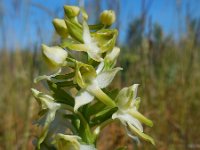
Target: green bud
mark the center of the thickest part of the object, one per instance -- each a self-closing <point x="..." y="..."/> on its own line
<point x="71" y="11"/>
<point x="107" y="17"/>
<point x="60" y="27"/>
<point x="54" y="56"/>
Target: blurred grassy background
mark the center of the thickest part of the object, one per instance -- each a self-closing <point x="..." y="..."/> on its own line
<point x="165" y="64"/>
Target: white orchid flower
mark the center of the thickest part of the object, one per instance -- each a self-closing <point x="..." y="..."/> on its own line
<point x="127" y="113"/>
<point x="95" y="80"/>
<point x="92" y="88"/>
<point x="89" y="44"/>
<point x="70" y="142"/>
<point x="106" y="40"/>
<point x="93" y="44"/>
<point x="47" y="104"/>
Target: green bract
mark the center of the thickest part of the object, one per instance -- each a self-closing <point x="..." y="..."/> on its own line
<point x="80" y="104"/>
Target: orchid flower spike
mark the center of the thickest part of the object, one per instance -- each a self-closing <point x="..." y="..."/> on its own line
<point x="77" y="81"/>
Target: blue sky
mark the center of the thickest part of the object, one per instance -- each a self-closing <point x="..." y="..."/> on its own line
<point x="25" y="23"/>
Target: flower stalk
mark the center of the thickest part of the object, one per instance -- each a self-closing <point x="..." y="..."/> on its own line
<point x="78" y="88"/>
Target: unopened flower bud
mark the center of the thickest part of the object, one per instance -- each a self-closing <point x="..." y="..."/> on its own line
<point x="60" y="27"/>
<point x="107" y="17"/>
<point x="71" y="11"/>
<point x="54" y="56"/>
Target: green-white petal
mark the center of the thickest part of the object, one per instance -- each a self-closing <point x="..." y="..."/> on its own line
<point x="125" y="117"/>
<point x="83" y="97"/>
<point x="93" y="50"/>
<point x="86" y="33"/>
<point x="142" y="135"/>
<point x="140" y="117"/>
<point x="105" y="78"/>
